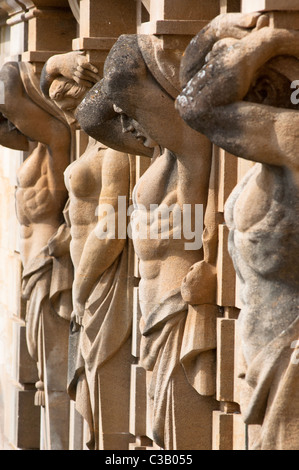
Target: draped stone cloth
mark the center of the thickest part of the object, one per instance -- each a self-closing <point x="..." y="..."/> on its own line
<point x="165" y="350"/>
<point x="46" y="280"/>
<point x="270" y="392"/>
<point x="107" y="325"/>
<point x="47" y="284"/>
<point x="104" y="341"/>
<point x="175" y="351"/>
<point x="162" y="331"/>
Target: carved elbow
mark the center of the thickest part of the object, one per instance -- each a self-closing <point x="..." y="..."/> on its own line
<point x="193" y="111"/>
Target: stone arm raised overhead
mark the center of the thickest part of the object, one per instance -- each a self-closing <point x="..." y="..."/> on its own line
<point x="36" y="125"/>
<point x="73" y="66"/>
<point x="29" y="118"/>
<point x="212" y="101"/>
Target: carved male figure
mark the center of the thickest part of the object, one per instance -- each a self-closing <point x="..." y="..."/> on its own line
<point x="240" y="97"/>
<point x="29" y="122"/>
<point x="100" y="343"/>
<point x="139" y="80"/>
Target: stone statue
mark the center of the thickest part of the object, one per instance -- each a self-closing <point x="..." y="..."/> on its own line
<point x="100" y="341"/>
<point x="31" y="123"/>
<point x="141" y="81"/>
<point x="240" y="97"/>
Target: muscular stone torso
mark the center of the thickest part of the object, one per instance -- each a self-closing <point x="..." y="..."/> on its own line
<point x="163" y="262"/>
<point x="263" y="217"/>
<point x="40" y="199"/>
<point x="84" y="181"/>
<point x="35" y="199"/>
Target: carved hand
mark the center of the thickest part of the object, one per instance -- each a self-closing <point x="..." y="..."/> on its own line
<point x="59" y="244"/>
<point x="236" y="25"/>
<point x="85" y="73"/>
<point x="74" y="66"/>
<point x="75" y="322"/>
<point x="78" y="311"/>
<point x="199" y="286"/>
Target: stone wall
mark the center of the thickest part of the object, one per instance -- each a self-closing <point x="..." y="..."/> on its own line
<point x="32" y="32"/>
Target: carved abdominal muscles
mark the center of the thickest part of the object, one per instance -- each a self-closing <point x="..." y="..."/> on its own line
<point x="245" y="86"/>
<point x="141" y="81"/>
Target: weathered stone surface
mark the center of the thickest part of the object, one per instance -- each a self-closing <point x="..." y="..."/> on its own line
<point x="100" y="345"/>
<point x="142" y="362"/>
<point x="40" y="198"/>
<point x="262" y="212"/>
<point x="141" y="80"/>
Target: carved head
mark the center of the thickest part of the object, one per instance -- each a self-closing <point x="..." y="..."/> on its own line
<point x="97" y="117"/>
<point x="142" y="79"/>
<point x="67" y="94"/>
<point x="130" y="125"/>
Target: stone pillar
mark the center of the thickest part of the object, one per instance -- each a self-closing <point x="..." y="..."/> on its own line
<point x="51" y="29"/>
<point x="283" y="14"/>
<point x="229" y="6"/>
<point x="99" y="26"/>
<point x="270" y="6"/>
<point x="101" y="23"/>
<point x="176" y="21"/>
